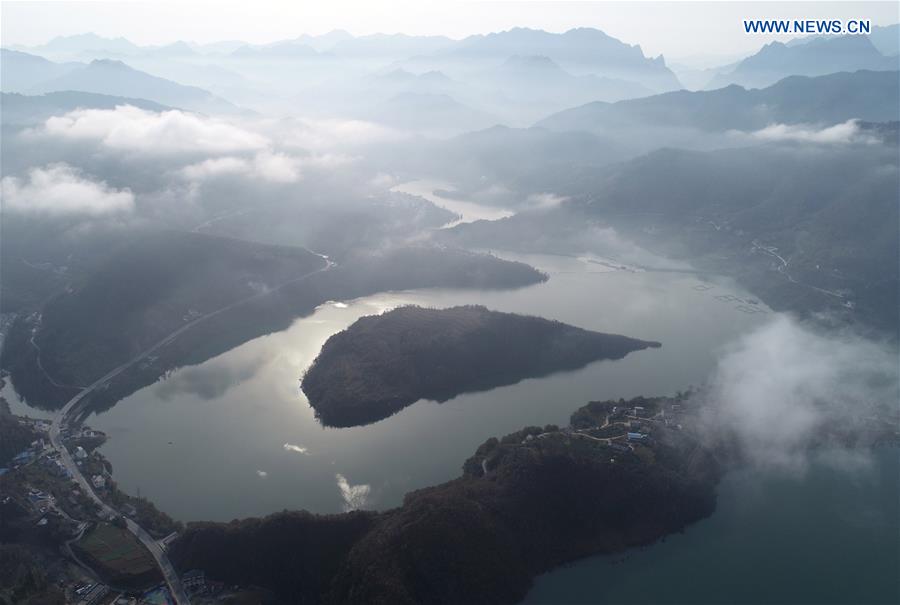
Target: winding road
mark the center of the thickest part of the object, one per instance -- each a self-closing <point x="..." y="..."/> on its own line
<point x="62" y="417"/>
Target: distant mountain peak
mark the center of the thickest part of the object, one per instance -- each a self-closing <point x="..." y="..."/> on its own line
<point x="538" y="66"/>
<point x="532" y="60"/>
<point x="110" y="63"/>
<point x="401" y="75"/>
<point x="588" y="32"/>
<point x="88" y="37"/>
<point x="89" y="41"/>
<point x="115" y="78"/>
<point x="434" y="75"/>
<point x="585" y="50"/>
<point x="816" y="57"/>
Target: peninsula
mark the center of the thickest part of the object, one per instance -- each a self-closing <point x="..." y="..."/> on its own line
<point x="383" y="363"/>
<point x="524" y="504"/>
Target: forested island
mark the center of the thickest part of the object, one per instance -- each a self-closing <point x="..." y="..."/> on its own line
<point x="110" y="315"/>
<point x="383" y="363"/>
<point x="526" y="503"/>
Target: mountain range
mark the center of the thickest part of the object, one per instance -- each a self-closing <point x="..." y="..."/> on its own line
<point x="829" y="99"/>
<point x="24" y="73"/>
<point x="816" y="57"/>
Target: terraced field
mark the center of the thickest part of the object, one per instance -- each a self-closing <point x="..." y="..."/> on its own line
<point x="116" y="550"/>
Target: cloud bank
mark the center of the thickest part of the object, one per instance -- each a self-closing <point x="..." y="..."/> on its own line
<point x="60" y="189"/>
<point x="129" y="128"/>
<point x="265" y="166"/>
<point x="333" y="133"/>
<point x="848" y="132"/>
<point x="777" y="388"/>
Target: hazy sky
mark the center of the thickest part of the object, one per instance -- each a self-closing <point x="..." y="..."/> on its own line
<point x="676" y="29"/>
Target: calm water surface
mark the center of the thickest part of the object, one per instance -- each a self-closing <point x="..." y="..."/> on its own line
<point x="235" y="436"/>
<point x="829" y="535"/>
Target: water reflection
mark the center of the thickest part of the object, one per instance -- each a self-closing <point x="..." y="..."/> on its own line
<point x="220" y="442"/>
<point x="354" y="496"/>
<point x="290" y="447"/>
<point x="771" y="537"/>
<point x="209" y="381"/>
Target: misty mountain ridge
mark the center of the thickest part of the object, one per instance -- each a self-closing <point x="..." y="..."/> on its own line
<point x="278" y="50"/>
<point x="401" y="75"/>
<point x="540" y="76"/>
<point x="831" y="99"/>
<point x="533" y="65"/>
<point x="389" y="45"/>
<point x="830" y="210"/>
<point x="87" y="42"/>
<point x="430" y="112"/>
<point x="112" y="77"/>
<point x="584" y="49"/>
<point x="818" y="56"/>
<point x="24" y="110"/>
<point x="523" y="74"/>
<point x="22" y="71"/>
<point x="886" y="39"/>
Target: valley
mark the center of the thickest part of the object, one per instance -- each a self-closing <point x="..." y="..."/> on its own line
<point x="478" y="303"/>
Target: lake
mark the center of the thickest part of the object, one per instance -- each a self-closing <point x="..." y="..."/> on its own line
<point x="830" y="535"/>
<point x="235" y="437"/>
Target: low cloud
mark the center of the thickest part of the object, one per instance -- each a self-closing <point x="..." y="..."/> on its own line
<point x="262" y="474"/>
<point x="328" y="134"/>
<point x="210" y="381"/>
<point x="265" y="166"/>
<point x="60" y="189"/>
<point x="383" y="180"/>
<point x="128" y="128"/>
<point x="848" y="132"/>
<point x="779" y="389"/>
<point x="355" y="496"/>
<point x="269" y="166"/>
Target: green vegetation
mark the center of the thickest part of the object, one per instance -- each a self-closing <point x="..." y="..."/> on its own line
<point x="383" y="363"/>
<point x="160" y="283"/>
<point x="120" y="557"/>
<point x="146" y="290"/>
<point x="358" y="275"/>
<point x="295" y="553"/>
<point x="14" y="436"/>
<point x="23" y="578"/>
<point x="157" y="523"/>
<point x="595" y="413"/>
<point x="548" y="497"/>
<point x="151" y="288"/>
<point x="810" y="231"/>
